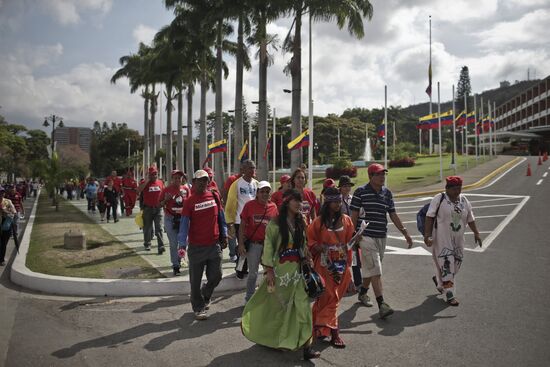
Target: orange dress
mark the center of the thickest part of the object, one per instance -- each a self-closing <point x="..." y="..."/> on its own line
<point x="332" y="261"/>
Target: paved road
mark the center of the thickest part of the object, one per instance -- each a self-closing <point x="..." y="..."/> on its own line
<point x="503" y="320"/>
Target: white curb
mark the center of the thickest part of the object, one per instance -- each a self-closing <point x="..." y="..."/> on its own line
<point x="70" y="286"/>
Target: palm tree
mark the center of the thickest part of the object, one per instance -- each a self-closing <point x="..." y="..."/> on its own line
<point x="351" y="12"/>
<point x="135" y="67"/>
<point x="261" y="14"/>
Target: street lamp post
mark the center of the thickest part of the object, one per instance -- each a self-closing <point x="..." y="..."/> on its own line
<point x="53" y="119"/>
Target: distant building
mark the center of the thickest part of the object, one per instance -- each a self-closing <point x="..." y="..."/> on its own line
<point x="527" y="113"/>
<point x="81" y="136"/>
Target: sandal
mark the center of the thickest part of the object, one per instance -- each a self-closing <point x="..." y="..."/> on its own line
<point x="309" y="353"/>
<point x="337" y="342"/>
<point x="453" y="302"/>
<point x="439" y="289"/>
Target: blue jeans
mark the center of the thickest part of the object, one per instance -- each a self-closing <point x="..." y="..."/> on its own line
<point x="232" y="244"/>
<point x="253" y="257"/>
<point x="172" y="235"/>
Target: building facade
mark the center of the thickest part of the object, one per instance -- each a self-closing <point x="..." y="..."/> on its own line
<point x="81" y="136"/>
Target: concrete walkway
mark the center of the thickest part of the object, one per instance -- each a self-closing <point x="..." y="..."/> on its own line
<point x="127" y="232"/>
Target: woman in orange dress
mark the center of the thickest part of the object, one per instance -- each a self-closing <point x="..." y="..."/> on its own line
<point x="328" y="236"/>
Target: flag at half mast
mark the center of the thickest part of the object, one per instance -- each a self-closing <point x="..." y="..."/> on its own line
<point x="300" y="141"/>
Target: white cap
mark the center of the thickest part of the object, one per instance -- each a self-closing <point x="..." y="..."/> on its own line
<point x="263" y="184"/>
<point x="200" y="174"/>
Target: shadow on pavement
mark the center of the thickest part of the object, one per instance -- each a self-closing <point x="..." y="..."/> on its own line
<point x="127" y="253"/>
<point x="422" y="314"/>
<point x="258" y="355"/>
<point x="183" y="328"/>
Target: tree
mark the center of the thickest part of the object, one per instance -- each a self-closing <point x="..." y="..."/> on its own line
<point x="351" y="12"/>
<point x="464" y="88"/>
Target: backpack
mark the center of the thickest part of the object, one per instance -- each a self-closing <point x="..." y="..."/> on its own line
<point x="421" y="216"/>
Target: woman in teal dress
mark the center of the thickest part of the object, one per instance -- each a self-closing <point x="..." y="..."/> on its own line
<point x="279" y="314"/>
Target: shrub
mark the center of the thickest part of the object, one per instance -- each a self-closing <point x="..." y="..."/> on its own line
<point x="403" y="162"/>
<point x="335" y="173"/>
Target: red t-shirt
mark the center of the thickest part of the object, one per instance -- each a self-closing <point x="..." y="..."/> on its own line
<point x="229" y="182"/>
<point x="16" y="200"/>
<point x="117" y="182"/>
<point x="174" y="206"/>
<point x="277" y="198"/>
<point x="152" y="193"/>
<point x="308" y="204"/>
<point x="202" y="211"/>
<point x="252" y="215"/>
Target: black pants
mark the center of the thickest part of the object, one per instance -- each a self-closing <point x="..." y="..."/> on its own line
<point x="91" y="204"/>
<point x="4" y="238"/>
<point x="201" y="258"/>
<point x="111" y="206"/>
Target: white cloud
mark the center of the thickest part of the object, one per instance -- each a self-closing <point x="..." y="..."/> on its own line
<point x="143" y="33"/>
<point x="532" y="28"/>
<point x="68" y="12"/>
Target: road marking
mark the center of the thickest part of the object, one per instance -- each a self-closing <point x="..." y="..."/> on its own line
<point x="502" y="175"/>
<point x="539" y="182"/>
<point x="418" y="251"/>
<point x="492" y="206"/>
<point x="489" y="240"/>
<point x="477" y="217"/>
<point x="545" y="174"/>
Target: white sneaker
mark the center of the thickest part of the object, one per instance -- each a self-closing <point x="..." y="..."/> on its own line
<point x="201" y="315"/>
<point x="233" y="258"/>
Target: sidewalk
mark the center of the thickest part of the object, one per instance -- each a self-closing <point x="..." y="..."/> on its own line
<point x="127" y="232"/>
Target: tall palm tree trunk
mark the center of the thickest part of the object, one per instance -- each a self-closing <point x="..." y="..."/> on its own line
<point x="152" y="137"/>
<point x="169" y="155"/>
<point x="179" y="145"/>
<point x="238" y="136"/>
<point x="262" y="111"/>
<point x="219" y="173"/>
<point x="146" y="135"/>
<point x="190" y="155"/>
<point x="202" y="138"/>
<point x="296" y="72"/>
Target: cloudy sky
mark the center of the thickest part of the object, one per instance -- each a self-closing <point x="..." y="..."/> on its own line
<point x="58" y="56"/>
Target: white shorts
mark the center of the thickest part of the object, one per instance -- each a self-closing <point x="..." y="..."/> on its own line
<point x="372" y="253"/>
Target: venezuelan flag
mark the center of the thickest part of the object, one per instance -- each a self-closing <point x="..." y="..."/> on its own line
<point x="267" y="147"/>
<point x="460" y="120"/>
<point x="471" y="118"/>
<point x="243" y="155"/>
<point x="381" y="130"/>
<point x="447" y="118"/>
<point x="217" y="146"/>
<point x="300" y="141"/>
<point x="428" y="122"/>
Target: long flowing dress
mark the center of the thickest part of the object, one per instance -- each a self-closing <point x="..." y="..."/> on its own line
<point x="448" y="238"/>
<point x="332" y="262"/>
<point x="281" y="319"/>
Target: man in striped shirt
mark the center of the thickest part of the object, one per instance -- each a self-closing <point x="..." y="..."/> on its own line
<point x="375" y="200"/>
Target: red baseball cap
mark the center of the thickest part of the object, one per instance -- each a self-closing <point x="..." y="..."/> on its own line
<point x="284" y="178"/>
<point x="178" y="172"/>
<point x="453" y="181"/>
<point x="376" y="168"/>
<point x="329" y="182"/>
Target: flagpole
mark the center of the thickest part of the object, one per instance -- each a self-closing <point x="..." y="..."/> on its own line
<point x="228" y="155"/>
<point x="476" y="141"/>
<point x="386" y="127"/>
<point x="482" y="132"/>
<point x="282" y="153"/>
<point x="493" y="126"/>
<point x="490" y="129"/>
<point x="273" y="153"/>
<point x="431" y="133"/>
<point x="453" y="162"/>
<point x="466" y="125"/>
<point x="439" y="132"/>
<point x="338" y="129"/>
<point x="310" y="148"/>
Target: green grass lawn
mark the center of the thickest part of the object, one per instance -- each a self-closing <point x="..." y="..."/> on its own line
<point x="425" y="172"/>
<point x="106" y="257"/>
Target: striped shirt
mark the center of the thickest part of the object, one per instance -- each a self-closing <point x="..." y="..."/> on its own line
<point x="375" y="205"/>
